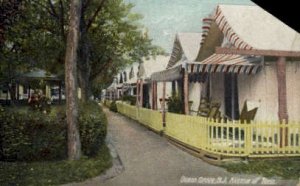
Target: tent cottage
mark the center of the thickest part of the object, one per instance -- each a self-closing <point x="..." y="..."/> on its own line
<point x="146" y="98"/>
<point x="185" y="49"/>
<point x="254" y="65"/>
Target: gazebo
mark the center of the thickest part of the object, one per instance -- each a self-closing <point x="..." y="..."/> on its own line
<point x="26" y="80"/>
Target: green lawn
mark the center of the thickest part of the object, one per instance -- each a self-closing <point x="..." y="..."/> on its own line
<point x="287" y="169"/>
<point x="54" y="173"/>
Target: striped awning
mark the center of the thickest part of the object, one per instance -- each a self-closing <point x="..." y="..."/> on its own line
<point x="206" y="22"/>
<point x="170" y="74"/>
<point x="227" y="63"/>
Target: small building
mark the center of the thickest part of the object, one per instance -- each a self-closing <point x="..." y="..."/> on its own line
<point x="185" y="49"/>
<point x="124" y="83"/>
<point x="144" y="91"/>
<point x="130" y="79"/>
<point x="24" y="85"/>
<point x="249" y="58"/>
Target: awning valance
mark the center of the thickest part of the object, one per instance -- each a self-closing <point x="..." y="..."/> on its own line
<point x="227" y="63"/>
<point x="170" y="74"/>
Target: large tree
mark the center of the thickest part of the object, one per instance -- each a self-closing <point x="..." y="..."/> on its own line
<point x="74" y="145"/>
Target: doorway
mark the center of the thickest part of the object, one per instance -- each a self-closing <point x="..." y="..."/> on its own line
<point x="231" y="96"/>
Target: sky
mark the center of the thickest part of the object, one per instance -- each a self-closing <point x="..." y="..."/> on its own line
<point x="165" y="18"/>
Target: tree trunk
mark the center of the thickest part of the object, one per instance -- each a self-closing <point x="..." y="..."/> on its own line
<point x="74" y="145"/>
<point x="84" y="70"/>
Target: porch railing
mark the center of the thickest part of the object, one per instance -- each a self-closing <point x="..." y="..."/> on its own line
<point x="232" y="139"/>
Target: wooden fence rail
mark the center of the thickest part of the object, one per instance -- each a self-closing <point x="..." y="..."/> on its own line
<point x="231" y="139"/>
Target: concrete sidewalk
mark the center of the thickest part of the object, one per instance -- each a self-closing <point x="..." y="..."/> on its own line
<point x="149" y="159"/>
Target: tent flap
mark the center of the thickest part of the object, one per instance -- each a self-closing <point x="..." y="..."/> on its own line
<point x="167" y="75"/>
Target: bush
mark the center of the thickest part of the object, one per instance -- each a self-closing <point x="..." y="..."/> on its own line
<point x="130" y="99"/>
<point x="92" y="128"/>
<point x="33" y="136"/>
<point x="175" y="104"/>
<point x="113" y="107"/>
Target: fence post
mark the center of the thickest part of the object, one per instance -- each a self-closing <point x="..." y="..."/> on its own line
<point x="163" y="106"/>
<point x="247" y="138"/>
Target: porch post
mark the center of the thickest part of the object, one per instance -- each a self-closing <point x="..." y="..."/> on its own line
<point x="152" y="95"/>
<point x="186" y="92"/>
<point x="48" y="91"/>
<point x="18" y="91"/>
<point x="137" y="93"/>
<point x="155" y="95"/>
<point x="282" y="99"/>
<point x="141" y="92"/>
<point x="163" y="104"/>
<point x="281" y="79"/>
<point x="28" y="91"/>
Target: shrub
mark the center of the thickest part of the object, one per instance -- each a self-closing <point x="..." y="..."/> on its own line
<point x="92" y="128"/>
<point x="130" y="99"/>
<point x="175" y="104"/>
<point x="32" y="136"/>
<point x="113" y="107"/>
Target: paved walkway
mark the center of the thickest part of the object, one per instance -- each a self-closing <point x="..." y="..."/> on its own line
<point x="149" y="159"/>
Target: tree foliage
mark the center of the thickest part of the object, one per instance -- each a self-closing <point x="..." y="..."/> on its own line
<point x="111" y="37"/>
<point x="9" y="12"/>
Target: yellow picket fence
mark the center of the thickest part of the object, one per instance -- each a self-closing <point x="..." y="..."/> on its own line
<point x="258" y="139"/>
<point x="231" y="138"/>
<point x="150" y="118"/>
<point x="127" y="110"/>
<point x="107" y="103"/>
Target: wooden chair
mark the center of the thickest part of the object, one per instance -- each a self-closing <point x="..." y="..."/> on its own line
<point x="247" y="115"/>
<point x="214" y="110"/>
<point x="204" y="108"/>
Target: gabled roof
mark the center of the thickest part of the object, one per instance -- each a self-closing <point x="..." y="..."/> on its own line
<point x="132" y="68"/>
<point x="132" y="71"/>
<point x="154" y="64"/>
<point x="38" y="74"/>
<point x="187" y="44"/>
<point x="251" y="27"/>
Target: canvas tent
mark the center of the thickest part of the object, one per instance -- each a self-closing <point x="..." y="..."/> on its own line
<point x="129" y="75"/>
<point x="185" y="49"/>
<point x="251" y="64"/>
<point x="145" y="86"/>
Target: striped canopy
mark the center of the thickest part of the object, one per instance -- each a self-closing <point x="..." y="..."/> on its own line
<point x="170" y="74"/>
<point x="227" y="63"/>
<point x="251" y="27"/>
